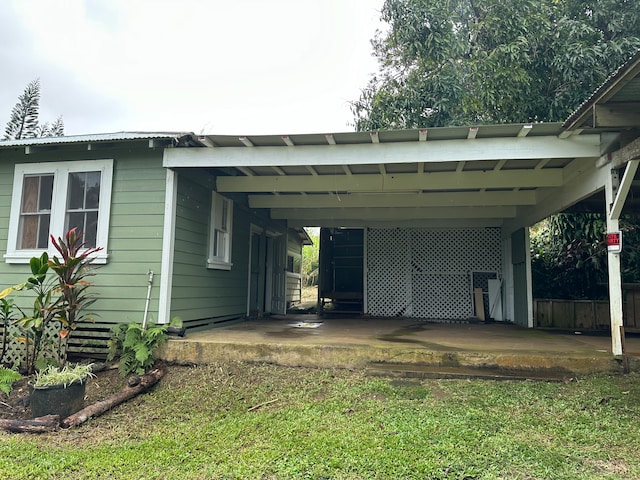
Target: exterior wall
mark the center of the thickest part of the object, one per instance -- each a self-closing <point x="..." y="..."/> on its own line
<point x="294" y="279"/>
<point x="427" y="273"/>
<point x="202" y="296"/>
<point x="135" y="232"/>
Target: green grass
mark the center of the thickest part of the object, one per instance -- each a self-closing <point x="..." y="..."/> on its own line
<point x="318" y="423"/>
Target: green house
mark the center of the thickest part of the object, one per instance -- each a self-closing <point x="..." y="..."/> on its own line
<point x="428" y="224"/>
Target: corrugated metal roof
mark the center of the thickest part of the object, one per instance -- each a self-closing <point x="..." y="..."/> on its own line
<point x="98" y="137"/>
<point x="189" y="139"/>
<point x="603" y="90"/>
<point x="384" y="136"/>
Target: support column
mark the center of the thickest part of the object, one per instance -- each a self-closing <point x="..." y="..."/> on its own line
<point x="613" y="263"/>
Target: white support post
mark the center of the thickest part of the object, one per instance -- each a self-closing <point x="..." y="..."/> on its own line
<point x="527" y="250"/>
<point x="613" y="262"/>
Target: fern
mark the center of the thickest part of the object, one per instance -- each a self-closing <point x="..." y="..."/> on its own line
<point x="135" y="347"/>
<point x="7" y="379"/>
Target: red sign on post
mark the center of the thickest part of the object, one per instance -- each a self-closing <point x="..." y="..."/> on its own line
<point x="614" y="242"/>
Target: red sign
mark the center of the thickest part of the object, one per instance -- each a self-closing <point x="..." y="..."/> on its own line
<point x="614" y="242"/>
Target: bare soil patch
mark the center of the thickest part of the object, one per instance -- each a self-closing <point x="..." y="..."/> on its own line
<point x="16" y="405"/>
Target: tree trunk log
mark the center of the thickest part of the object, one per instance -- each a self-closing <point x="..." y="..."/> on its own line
<point x="43" y="424"/>
<point x="98" y="408"/>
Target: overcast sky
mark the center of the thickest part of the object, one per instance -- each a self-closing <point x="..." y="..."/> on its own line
<point x="219" y="66"/>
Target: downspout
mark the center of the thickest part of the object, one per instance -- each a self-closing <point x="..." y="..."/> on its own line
<point x="146" y="305"/>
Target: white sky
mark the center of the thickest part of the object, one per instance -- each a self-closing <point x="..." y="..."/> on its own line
<point x="219" y="66"/>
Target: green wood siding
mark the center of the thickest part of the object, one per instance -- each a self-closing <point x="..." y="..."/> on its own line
<point x="135" y="231"/>
<point x="200" y="293"/>
<point x="203" y="296"/>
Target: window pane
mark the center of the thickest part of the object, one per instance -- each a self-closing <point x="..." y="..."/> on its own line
<point x="92" y="199"/>
<point x="30" y="190"/>
<point x="225" y="214"/>
<point x="91" y="229"/>
<point x="46" y="192"/>
<point x="75" y="220"/>
<point x="75" y="194"/>
<point x="29" y="232"/>
<point x="43" y="231"/>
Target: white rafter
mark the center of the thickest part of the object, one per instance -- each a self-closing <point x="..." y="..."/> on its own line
<point x="246" y="141"/>
<point x="399" y="200"/>
<point x="551" y="177"/>
<point x="287" y="140"/>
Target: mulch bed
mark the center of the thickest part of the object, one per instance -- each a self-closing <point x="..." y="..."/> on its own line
<point x="16" y="406"/>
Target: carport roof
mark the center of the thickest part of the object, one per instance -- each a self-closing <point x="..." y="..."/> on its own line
<point x="451" y="176"/>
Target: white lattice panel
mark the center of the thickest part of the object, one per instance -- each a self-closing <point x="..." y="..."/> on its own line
<point x="442" y="296"/>
<point x="387" y="256"/>
<point x="425" y="273"/>
<point x="15" y="354"/>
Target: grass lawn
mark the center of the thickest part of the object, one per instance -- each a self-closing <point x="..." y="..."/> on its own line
<point x="263" y="421"/>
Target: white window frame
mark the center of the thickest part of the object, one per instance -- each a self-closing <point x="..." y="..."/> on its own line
<point x="220" y="262"/>
<point x="60" y="172"/>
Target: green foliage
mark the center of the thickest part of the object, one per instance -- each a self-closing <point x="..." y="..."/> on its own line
<point x="310" y="258"/>
<point x="53" y="375"/>
<point x="64" y="298"/>
<point x="7" y="379"/>
<point x="45" y="308"/>
<point x="24" y="120"/>
<point x="466" y="62"/>
<point x="72" y="269"/>
<point x="569" y="256"/>
<point x="135" y="347"/>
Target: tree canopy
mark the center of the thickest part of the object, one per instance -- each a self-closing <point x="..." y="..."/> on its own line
<point x="470" y="62"/>
<point x="25" y="121"/>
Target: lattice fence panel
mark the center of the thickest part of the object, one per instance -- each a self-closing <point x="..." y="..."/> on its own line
<point x="441" y="296"/>
<point x="388" y="272"/>
<point x="426" y="273"/>
<point x="16" y="349"/>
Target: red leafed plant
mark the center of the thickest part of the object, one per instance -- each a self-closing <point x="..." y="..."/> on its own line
<point x="72" y="268"/>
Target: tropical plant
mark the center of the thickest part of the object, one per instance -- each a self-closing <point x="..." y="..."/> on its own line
<point x="63" y="298"/>
<point x="66" y="375"/>
<point x="8" y="377"/>
<point x="569" y="255"/>
<point x="135" y="346"/>
<point x="24" y="120"/>
<point x="44" y="311"/>
<point x="467" y="62"/>
<point x="72" y="269"/>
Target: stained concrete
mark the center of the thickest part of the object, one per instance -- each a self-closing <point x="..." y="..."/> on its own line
<point x="401" y="345"/>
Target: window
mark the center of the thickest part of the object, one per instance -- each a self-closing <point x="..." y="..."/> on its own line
<point x="52" y="198"/>
<point x="294" y="263"/>
<point x="221" y="230"/>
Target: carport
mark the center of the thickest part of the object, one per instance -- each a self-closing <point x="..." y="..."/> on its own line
<point x="425" y="198"/>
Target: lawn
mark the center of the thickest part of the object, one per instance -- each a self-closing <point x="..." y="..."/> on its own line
<point x="263" y="421"/>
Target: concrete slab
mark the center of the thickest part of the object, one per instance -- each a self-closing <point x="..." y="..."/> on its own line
<point x="400" y="345"/>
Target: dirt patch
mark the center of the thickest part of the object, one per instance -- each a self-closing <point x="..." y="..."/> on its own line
<point x="16" y="406"/>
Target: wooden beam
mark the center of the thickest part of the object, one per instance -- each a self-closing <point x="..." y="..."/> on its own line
<point x="385" y="214"/>
<point x="399" y="200"/>
<point x="623" y="189"/>
<point x="618" y="158"/>
<point x="527" y="148"/>
<point x="621" y="115"/>
<point x="551" y="177"/>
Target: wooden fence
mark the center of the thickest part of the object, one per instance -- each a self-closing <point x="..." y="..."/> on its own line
<point x="587" y="314"/>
